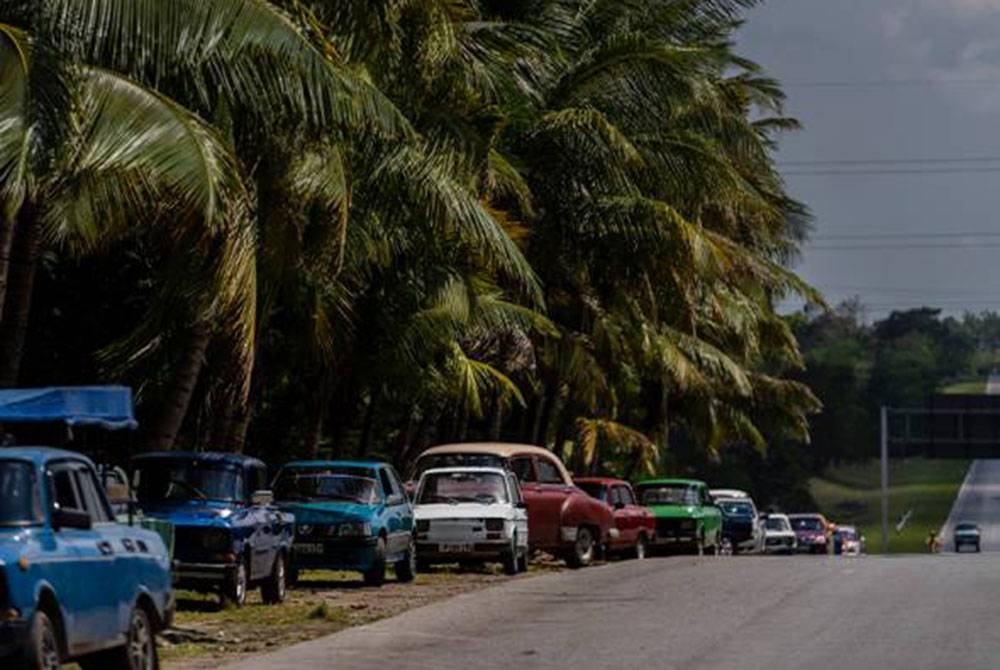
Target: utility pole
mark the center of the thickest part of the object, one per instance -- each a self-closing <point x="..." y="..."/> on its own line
<point x="885" y="479"/>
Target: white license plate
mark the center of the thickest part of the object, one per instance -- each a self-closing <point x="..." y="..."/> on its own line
<point x="309" y="548"/>
<point x="454" y="548"/>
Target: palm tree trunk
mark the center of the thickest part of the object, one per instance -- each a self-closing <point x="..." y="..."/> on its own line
<point x="19" y="290"/>
<point x="165" y="428"/>
<point x="7" y="228"/>
<point x="367" y="427"/>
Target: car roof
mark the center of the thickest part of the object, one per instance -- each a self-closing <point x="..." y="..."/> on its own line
<point x="731" y="499"/>
<point x="728" y="493"/>
<point x="684" y="482"/>
<point x="807" y="515"/>
<point x="847" y="529"/>
<point x="778" y="515"/>
<point x="599" y="480"/>
<point x="205" y="456"/>
<point x="471" y="468"/>
<point x="500" y="449"/>
<point x="335" y="464"/>
<point x="41" y="455"/>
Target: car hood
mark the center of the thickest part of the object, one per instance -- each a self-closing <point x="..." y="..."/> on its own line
<point x="810" y="533"/>
<point x="462" y="511"/>
<point x="779" y="533"/>
<point x="329" y="513"/>
<point x="195" y="513"/>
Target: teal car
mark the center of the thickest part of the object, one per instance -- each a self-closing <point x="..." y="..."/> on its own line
<point x="686" y="516"/>
<point x="349" y="515"/>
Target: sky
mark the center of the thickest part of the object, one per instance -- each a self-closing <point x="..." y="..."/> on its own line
<point x="913" y="81"/>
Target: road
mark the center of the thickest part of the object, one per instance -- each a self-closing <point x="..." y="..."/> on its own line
<point x="910" y="613"/>
<point x="979" y="502"/>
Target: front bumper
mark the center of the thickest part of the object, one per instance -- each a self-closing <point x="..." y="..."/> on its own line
<point x="779" y="545"/>
<point x="808" y="545"/>
<point x="352" y="553"/>
<point x="200" y="575"/>
<point x="14" y="636"/>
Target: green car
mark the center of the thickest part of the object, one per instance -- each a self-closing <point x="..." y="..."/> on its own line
<point x="685" y="515"/>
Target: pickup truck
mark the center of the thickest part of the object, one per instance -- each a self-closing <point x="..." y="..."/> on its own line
<point x="74" y="584"/>
<point x="686" y="516"/>
<point x="562" y="519"/>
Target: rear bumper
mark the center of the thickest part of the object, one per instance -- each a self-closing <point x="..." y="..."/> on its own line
<point x="495" y="550"/>
<point x="14" y="636"/>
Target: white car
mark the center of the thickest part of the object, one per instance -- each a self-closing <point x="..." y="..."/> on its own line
<point x="730" y="494"/>
<point x="466" y="514"/>
<point x="779" y="538"/>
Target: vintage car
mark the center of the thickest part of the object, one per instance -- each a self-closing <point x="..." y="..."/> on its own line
<point x="562" y="520"/>
<point x="350" y="515"/>
<point x="812" y="531"/>
<point x="74" y="584"/>
<point x="635" y="525"/>
<point x="470" y="515"/>
<point x="779" y="538"/>
<point x="847" y="541"/>
<point x="742" y="530"/>
<point x="228" y="536"/>
<point x="685" y="515"/>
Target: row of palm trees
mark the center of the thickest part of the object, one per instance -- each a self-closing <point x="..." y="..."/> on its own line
<point x="362" y="227"/>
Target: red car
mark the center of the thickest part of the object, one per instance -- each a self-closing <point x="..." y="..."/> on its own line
<point x="635" y="524"/>
<point x="562" y="520"/>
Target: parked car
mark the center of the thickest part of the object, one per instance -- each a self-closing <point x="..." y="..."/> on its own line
<point x="562" y="519"/>
<point x="635" y="526"/>
<point x="471" y="514"/>
<point x="74" y="584"/>
<point x="685" y="514"/>
<point x="847" y="541"/>
<point x="228" y="536"/>
<point x="727" y="494"/>
<point x="779" y="538"/>
<point x="966" y="535"/>
<point x="350" y="515"/>
<point x="812" y="532"/>
<point x="741" y="527"/>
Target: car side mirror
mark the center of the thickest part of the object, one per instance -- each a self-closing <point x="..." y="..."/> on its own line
<point x="71" y="518"/>
<point x="395" y="499"/>
<point x="262" y="498"/>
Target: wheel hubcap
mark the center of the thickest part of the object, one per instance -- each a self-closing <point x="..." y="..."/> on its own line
<point x="140" y="645"/>
<point x="241" y="584"/>
<point x="584" y="545"/>
<point x="281" y="577"/>
<point x="50" y="651"/>
<point x="640" y="549"/>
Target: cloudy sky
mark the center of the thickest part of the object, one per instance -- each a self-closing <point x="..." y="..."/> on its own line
<point x="881" y="81"/>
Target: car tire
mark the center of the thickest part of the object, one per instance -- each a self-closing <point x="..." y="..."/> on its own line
<point x="273" y="589"/>
<point x="511" y="559"/>
<point x="582" y="553"/>
<point x="138" y="652"/>
<point x="42" y="651"/>
<point x="406" y="569"/>
<point x="522" y="560"/>
<point x="699" y="545"/>
<point x="639" y="551"/>
<point x="726" y="547"/>
<point x="375" y="576"/>
<point x="234" y="591"/>
<point x="294" y="574"/>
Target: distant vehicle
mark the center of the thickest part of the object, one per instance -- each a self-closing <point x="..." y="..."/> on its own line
<point x="349" y="515"/>
<point x="562" y="520"/>
<point x="848" y="541"/>
<point x="812" y="532"/>
<point x="685" y="514"/>
<point x="741" y="528"/>
<point x="967" y="535"/>
<point x="77" y="586"/>
<point x="228" y="536"/>
<point x="729" y="494"/>
<point x="779" y="538"/>
<point x="635" y="525"/>
<point x="466" y="514"/>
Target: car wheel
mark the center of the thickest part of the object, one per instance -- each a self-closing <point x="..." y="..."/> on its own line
<point x="406" y="569"/>
<point x="511" y="559"/>
<point x="138" y="652"/>
<point x="234" y="592"/>
<point x="726" y="547"/>
<point x="293" y="575"/>
<point x="640" y="548"/>
<point x="42" y="652"/>
<point x="582" y="553"/>
<point x="272" y="591"/>
<point x="375" y="576"/>
<point x="522" y="560"/>
<point x="699" y="547"/>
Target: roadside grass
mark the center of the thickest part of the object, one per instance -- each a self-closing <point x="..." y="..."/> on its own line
<point x="851" y="495"/>
<point x="966" y="387"/>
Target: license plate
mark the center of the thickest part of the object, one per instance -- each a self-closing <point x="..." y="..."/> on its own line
<point x="454" y="548"/>
<point x="309" y="548"/>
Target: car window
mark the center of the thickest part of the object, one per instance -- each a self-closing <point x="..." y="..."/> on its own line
<point x="524" y="469"/>
<point x="706" y="499"/>
<point x="92" y="500"/>
<point x="626" y="495"/>
<point x="258" y="479"/>
<point x="387" y="487"/>
<point x="64" y="490"/>
<point x="616" y="496"/>
<point x="397" y="483"/>
<point x="515" y="490"/>
<point x="548" y="473"/>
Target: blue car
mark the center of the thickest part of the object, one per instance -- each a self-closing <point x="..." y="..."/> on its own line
<point x="227" y="534"/>
<point x="74" y="585"/>
<point x="349" y="516"/>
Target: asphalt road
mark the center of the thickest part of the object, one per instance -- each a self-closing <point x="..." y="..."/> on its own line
<point x="978" y="502"/>
<point x="693" y="613"/>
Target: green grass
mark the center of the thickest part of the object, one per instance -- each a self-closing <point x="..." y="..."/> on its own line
<point x="851" y="495"/>
<point x="967" y="387"/>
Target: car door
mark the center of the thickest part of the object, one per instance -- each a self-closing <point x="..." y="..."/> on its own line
<point x="265" y="520"/>
<point x="710" y="513"/>
<point x="520" y="513"/>
<point x="626" y="517"/>
<point x="399" y="519"/>
<point x="552" y="492"/>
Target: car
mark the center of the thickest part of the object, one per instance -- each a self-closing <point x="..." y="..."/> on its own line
<point x="350" y="515"/>
<point x="779" y="538"/>
<point x="847" y="541"/>
<point x="228" y="535"/>
<point x="741" y="526"/>
<point x="727" y="494"/>
<point x="812" y="531"/>
<point x="74" y="584"/>
<point x="562" y="519"/>
<point x="470" y="515"/>
<point x="967" y="535"/>
<point x="635" y="526"/>
<point x="685" y="514"/>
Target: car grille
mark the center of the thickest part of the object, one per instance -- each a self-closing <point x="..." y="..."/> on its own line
<point x="190" y="544"/>
<point x="674" y="527"/>
<point x="779" y="541"/>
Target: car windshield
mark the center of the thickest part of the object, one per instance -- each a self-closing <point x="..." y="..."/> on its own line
<point x="435" y="461"/>
<point x="459" y="487"/>
<point x="736" y="508"/>
<point x="342" y="484"/>
<point x="594" y="490"/>
<point x="966" y="526"/>
<point x="776" y="523"/>
<point x="847" y="534"/>
<point x="178" y="480"/>
<point x="668" y="494"/>
<point x="808" y="523"/>
<point x="19" y="503"/>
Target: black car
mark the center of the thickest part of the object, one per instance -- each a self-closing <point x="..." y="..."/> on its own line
<point x="740" y="524"/>
<point x="966" y="535"/>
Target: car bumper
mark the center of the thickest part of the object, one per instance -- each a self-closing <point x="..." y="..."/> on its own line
<point x="194" y="575"/>
<point x="356" y="554"/>
<point x="14" y="636"/>
<point x="432" y="551"/>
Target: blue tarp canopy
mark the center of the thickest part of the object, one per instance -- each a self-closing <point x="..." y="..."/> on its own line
<point x="106" y="406"/>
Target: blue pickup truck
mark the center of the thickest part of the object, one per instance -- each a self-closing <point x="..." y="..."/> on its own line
<point x="227" y="534"/>
<point x="74" y="585"/>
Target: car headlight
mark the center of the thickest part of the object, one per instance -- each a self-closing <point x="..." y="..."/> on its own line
<point x="355" y="529"/>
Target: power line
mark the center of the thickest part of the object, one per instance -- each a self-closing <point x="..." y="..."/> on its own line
<point x="892" y="236"/>
<point x="893" y="247"/>
<point x="895" y="161"/>
<point x="901" y="171"/>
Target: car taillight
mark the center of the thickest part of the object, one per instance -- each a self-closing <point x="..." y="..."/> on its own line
<point x="494" y="524"/>
<point x="423" y="526"/>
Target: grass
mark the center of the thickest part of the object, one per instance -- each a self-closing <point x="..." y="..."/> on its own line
<point x="851" y="495"/>
<point x="966" y="387"/>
